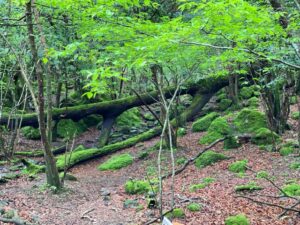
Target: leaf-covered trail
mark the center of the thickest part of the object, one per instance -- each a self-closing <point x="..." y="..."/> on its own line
<point x="83" y="203"/>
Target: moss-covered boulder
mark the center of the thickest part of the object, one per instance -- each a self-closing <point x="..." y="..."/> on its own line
<point x="248" y="92"/>
<point x="176" y="213"/>
<point x="117" y="162"/>
<point x="67" y="128"/>
<point x="203" y="123"/>
<point x="295" y="115"/>
<point x="253" y="102"/>
<point x="239" y="219"/>
<point x="218" y="129"/>
<point x="194" y="207"/>
<point x="287" y="150"/>
<point x="209" y="158"/>
<point x="181" y="132"/>
<point x="293" y="100"/>
<point x="129" y="118"/>
<point x="238" y="166"/>
<point x="249" y="120"/>
<point x="224" y="104"/>
<point x="264" y="136"/>
<point x="31" y="133"/>
<point x="137" y="187"/>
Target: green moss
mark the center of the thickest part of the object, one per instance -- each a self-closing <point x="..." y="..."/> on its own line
<point x="295" y="115"/>
<point x="209" y="158"/>
<point x="250" y="120"/>
<point x="194" y="207"/>
<point x="293" y="100"/>
<point x="67" y="128"/>
<point x="224" y="104"/>
<point x="292" y="189"/>
<point x="295" y="166"/>
<point x="176" y="213"/>
<point x="264" y="136"/>
<point x="137" y="187"/>
<point x="251" y="186"/>
<point x="262" y="174"/>
<point x="31" y="133"/>
<point x="253" y="102"/>
<point x="219" y="125"/>
<point x="117" y="162"/>
<point x="218" y="129"/>
<point x="210" y="138"/>
<point x="181" y="161"/>
<point x="239" y="219"/>
<point x="129" y="118"/>
<point x="206" y="181"/>
<point x="231" y="142"/>
<point x="203" y="123"/>
<point x="181" y="132"/>
<point x="285" y="151"/>
<point x="33" y="169"/>
<point x="143" y="155"/>
<point x="238" y="166"/>
<point x="247" y="92"/>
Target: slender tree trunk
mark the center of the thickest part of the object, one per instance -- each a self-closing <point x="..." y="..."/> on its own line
<point x="51" y="170"/>
<point x="107" y="124"/>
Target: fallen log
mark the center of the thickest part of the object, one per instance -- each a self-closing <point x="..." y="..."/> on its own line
<point x="198" y="103"/>
<point x="116" y="107"/>
<point x="40" y="153"/>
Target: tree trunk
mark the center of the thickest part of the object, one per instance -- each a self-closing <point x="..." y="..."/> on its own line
<point x="51" y="170"/>
<point x="107" y="124"/>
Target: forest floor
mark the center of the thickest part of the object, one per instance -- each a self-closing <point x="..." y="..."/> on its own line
<point x="83" y="202"/>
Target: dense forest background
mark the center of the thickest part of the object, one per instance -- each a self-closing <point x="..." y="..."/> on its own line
<point x="200" y="98"/>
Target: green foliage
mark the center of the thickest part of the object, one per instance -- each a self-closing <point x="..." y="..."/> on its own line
<point x="264" y="136"/>
<point x="209" y="158"/>
<point x="295" y="115"/>
<point x="194" y="207"/>
<point x="176" y="213"/>
<point x="238" y="166"/>
<point x="292" y="189"/>
<point x="137" y="187"/>
<point x="285" y="151"/>
<point x="181" y="132"/>
<point x="67" y="128"/>
<point x="239" y="219"/>
<point x="251" y="186"/>
<point x="205" y="182"/>
<point x="31" y="133"/>
<point x="117" y="162"/>
<point x="224" y="104"/>
<point x="203" y="123"/>
<point x="143" y="155"/>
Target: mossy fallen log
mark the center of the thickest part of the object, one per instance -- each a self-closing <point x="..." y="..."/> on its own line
<point x="116" y="107"/>
<point x="198" y="103"/>
<point x="40" y="153"/>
